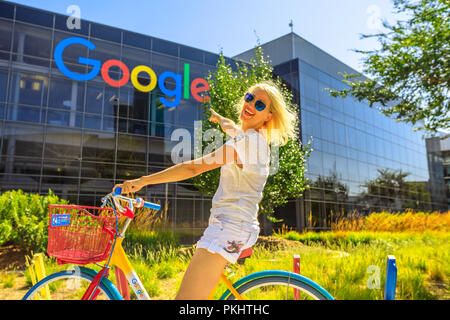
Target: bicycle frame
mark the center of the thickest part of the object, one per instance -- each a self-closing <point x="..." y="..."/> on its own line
<point x="223" y="278"/>
<point x="120" y="260"/>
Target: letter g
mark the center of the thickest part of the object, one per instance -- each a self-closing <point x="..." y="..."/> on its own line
<point x="62" y="67"/>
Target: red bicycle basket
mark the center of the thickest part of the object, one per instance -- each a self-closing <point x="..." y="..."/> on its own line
<point x="79" y="234"/>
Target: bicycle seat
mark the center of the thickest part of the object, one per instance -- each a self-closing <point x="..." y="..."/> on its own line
<point x="246" y="253"/>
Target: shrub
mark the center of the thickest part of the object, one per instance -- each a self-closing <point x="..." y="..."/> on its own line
<point x="24" y="218"/>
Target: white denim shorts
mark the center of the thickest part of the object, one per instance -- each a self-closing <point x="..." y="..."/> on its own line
<point x="228" y="238"/>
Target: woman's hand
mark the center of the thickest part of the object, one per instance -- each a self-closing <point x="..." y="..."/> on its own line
<point x="130" y="186"/>
<point x="227" y="125"/>
<point x="215" y="117"/>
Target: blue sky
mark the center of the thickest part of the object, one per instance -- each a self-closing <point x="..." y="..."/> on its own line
<point x="334" y="26"/>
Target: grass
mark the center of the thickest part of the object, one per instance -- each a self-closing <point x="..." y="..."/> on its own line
<point x="341" y="262"/>
<point x="422" y="260"/>
<point x="7" y="279"/>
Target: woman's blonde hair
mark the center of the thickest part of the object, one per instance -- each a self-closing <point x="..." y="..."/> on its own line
<point x="282" y="125"/>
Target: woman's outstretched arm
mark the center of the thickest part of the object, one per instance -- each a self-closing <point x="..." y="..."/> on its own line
<point x="182" y="171"/>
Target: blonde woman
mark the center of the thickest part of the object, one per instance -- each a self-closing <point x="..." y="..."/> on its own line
<point x="244" y="161"/>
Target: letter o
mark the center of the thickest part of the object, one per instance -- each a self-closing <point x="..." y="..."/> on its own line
<point x="115" y="83"/>
<point x="135" y="82"/>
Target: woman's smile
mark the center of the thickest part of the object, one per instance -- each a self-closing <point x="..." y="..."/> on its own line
<point x="249" y="112"/>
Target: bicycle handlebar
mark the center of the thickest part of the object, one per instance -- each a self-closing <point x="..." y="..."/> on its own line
<point x="139" y="202"/>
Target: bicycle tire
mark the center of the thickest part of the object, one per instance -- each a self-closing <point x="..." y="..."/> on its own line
<point x="250" y="286"/>
<point x="84" y="274"/>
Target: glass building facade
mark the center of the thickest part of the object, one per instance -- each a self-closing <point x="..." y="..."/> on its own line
<point x="438" y="150"/>
<point x="79" y="138"/>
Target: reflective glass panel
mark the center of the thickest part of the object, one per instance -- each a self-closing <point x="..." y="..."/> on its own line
<point x="62" y="143"/>
<point x="98" y="146"/>
<point x="28" y="89"/>
<point x="32" y="41"/>
<point x="133" y="57"/>
<point x="6" y="10"/>
<point x="97" y="170"/>
<point x="34" y="16"/>
<point x="106" y="33"/>
<point x="165" y="47"/>
<point x="66" y="94"/>
<point x="131" y="149"/>
<point x="137" y="40"/>
<point x="63" y="168"/>
<point x="191" y="54"/>
<point x="64" y="118"/>
<point x="22" y="140"/>
<point x="94" y="98"/>
<point x="5" y="35"/>
<point x="162" y="63"/>
<point x="3" y="84"/>
<point x="25" y="113"/>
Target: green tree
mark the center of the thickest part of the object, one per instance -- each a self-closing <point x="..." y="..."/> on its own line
<point x="226" y="88"/>
<point x="391" y="189"/>
<point x="332" y="186"/>
<point x="410" y="73"/>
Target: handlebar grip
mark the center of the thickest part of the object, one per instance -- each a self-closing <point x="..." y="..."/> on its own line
<point x="149" y="205"/>
<point x="152" y="205"/>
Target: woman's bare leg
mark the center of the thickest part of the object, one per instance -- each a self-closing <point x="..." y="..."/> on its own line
<point x="201" y="275"/>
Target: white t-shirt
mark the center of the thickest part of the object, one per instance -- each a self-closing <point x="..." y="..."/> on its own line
<point x="241" y="189"/>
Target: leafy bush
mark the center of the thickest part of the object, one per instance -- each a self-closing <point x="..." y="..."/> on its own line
<point x="24" y="218"/>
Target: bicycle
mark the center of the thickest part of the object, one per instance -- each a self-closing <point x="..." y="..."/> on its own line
<point x="81" y="235"/>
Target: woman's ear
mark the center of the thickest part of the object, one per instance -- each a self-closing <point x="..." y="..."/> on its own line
<point x="269" y="117"/>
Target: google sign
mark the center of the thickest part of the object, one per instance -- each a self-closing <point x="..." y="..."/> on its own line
<point x="197" y="86"/>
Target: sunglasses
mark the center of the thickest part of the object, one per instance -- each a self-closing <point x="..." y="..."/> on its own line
<point x="259" y="105"/>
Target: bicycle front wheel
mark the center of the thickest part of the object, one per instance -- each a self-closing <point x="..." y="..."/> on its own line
<point x="71" y="285"/>
<point x="278" y="285"/>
